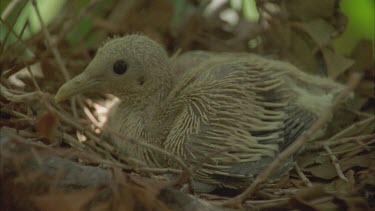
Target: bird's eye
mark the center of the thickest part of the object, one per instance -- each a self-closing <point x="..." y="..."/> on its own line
<point x="120" y="67"/>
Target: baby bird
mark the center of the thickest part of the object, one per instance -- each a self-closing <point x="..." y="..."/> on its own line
<point x="229" y="114"/>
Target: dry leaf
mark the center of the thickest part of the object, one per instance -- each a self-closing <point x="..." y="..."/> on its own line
<point x="319" y="30"/>
<point x="307" y="10"/>
<point x="363" y="54"/>
<point x="328" y="171"/>
<point x="47" y="125"/>
<point x="300" y="54"/>
<point x="336" y="64"/>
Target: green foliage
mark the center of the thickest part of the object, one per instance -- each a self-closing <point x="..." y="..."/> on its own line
<point x="361" y="24"/>
<point x="248" y="8"/>
<point x="48" y="11"/>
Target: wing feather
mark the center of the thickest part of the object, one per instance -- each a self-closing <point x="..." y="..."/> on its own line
<point x="233" y="123"/>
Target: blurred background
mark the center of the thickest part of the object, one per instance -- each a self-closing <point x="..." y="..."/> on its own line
<point x="324" y="37"/>
<point x="161" y="16"/>
<point x="44" y="43"/>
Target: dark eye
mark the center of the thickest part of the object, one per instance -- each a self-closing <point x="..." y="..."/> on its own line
<point x="120" y="67"/>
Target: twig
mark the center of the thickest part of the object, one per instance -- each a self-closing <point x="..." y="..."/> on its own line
<point x="56" y="54"/>
<point x="359" y="113"/>
<point x="117" y="164"/>
<point x="335" y="163"/>
<point x="278" y="191"/>
<point x="339" y="141"/>
<point x="88" y="113"/>
<point x="37" y="87"/>
<point x="267" y="194"/>
<point x="360" y="146"/>
<point x="20" y="98"/>
<point x="296" y="145"/>
<point x="157" y="170"/>
<point x="18" y="114"/>
<point x="302" y="175"/>
<point x="49" y="42"/>
<point x="365" y="146"/>
<point x="264" y="204"/>
<point x="71" y="121"/>
<point x="10" y="7"/>
<point x="107" y="162"/>
<point x="16" y="138"/>
<point x="3" y="42"/>
<point x="75" y="123"/>
<point x="353" y="127"/>
<point x="72" y="141"/>
<point x="16" y="68"/>
<point x="25" y="26"/>
<point x="19" y="37"/>
<point x="99" y="150"/>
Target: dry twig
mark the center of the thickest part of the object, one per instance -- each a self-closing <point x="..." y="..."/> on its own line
<point x="302" y="175"/>
<point x="56" y="54"/>
<point x="55" y="51"/>
<point x="335" y="163"/>
<point x="3" y="42"/>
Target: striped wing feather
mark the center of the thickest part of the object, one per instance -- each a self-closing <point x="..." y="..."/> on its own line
<point x="234" y="118"/>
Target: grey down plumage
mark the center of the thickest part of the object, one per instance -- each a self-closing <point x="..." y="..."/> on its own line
<point x="228" y="113"/>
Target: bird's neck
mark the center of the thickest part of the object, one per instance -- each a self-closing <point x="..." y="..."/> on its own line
<point x="157" y="95"/>
<point x="145" y="114"/>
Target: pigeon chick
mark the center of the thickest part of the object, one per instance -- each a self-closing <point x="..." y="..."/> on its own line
<point x="229" y="114"/>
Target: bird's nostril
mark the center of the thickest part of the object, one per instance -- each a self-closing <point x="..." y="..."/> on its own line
<point x="141" y="80"/>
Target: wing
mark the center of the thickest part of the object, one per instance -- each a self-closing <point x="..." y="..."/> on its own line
<point x="235" y="118"/>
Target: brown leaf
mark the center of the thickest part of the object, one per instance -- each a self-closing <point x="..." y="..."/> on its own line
<point x="319" y="30"/>
<point x="300" y="54"/>
<point x="307" y="159"/>
<point x="306" y="10"/>
<point x="324" y="171"/>
<point x="356" y="161"/>
<point x="363" y="54"/>
<point x="328" y="171"/>
<point x="47" y="125"/>
<point x="336" y="64"/>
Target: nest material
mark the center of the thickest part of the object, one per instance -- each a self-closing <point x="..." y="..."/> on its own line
<point x="334" y="172"/>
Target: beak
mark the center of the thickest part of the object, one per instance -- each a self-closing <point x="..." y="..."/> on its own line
<point x="79" y="84"/>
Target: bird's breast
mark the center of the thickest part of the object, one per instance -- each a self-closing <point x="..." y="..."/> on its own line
<point x="140" y="124"/>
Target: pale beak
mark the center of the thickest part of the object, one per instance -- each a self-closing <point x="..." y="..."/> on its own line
<point x="79" y="84"/>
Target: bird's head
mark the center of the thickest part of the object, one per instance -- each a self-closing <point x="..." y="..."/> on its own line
<point x="130" y="67"/>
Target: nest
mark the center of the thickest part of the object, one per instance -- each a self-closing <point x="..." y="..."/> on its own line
<point x="52" y="156"/>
